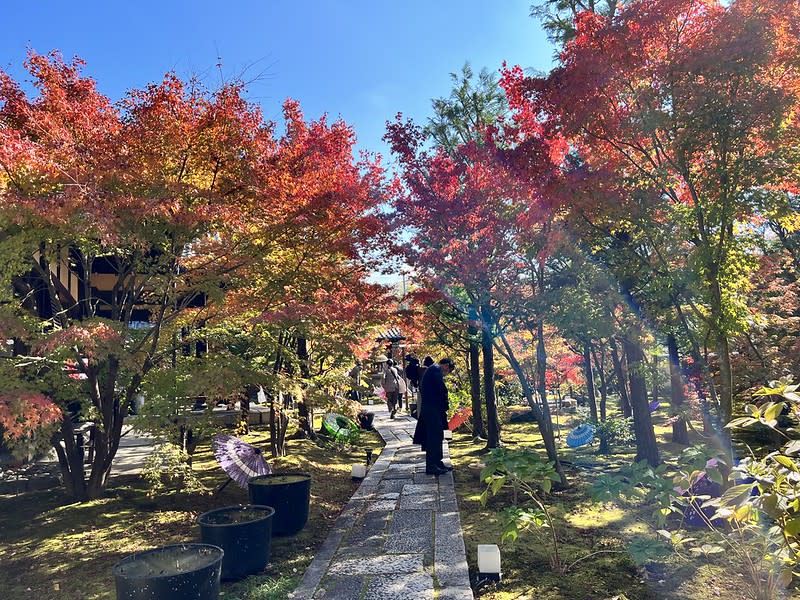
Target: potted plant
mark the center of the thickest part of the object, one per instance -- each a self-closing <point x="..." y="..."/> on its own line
<point x="289" y="494"/>
<point x="177" y="572"/>
<point x="244" y="532"/>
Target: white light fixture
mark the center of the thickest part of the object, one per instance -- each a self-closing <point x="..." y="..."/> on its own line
<point x="358" y="471"/>
<point x="448" y="435"/>
<point x="489" y="562"/>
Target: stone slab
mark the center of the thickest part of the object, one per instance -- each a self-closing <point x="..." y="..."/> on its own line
<point x="448" y="505"/>
<point x="388" y="495"/>
<point x="370" y="547"/>
<point x="418" y="586"/>
<point x="455" y="593"/>
<point x="420" y="496"/>
<point x="450" y="561"/>
<point x="378" y="552"/>
<point x="340" y="588"/>
<point x="409" y="457"/>
<point x="382" y="505"/>
<point x="421" y="488"/>
<point x="393" y="485"/>
<point x="377" y="565"/>
<point x="423" y="477"/>
<point x="400" y="471"/>
<point x="369" y="531"/>
<point x="410" y="531"/>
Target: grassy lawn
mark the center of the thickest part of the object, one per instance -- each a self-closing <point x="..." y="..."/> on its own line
<point x="583" y="527"/>
<point x="51" y="548"/>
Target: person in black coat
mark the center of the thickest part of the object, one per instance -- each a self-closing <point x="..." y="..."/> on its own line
<point x="419" y="430"/>
<point x="412" y="370"/>
<point x="433" y="417"/>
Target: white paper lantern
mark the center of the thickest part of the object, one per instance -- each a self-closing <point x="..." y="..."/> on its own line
<point x="358" y="471"/>
<point x="489" y="561"/>
<point x="448" y="435"/>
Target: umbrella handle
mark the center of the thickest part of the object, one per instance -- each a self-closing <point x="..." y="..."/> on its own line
<point x="223" y="486"/>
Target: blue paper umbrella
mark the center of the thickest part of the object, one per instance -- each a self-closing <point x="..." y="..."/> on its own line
<point x="654" y="405"/>
<point x="581" y="435"/>
<point x="238" y="459"/>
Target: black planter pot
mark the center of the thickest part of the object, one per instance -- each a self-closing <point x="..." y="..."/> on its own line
<point x="289" y="494"/>
<point x="178" y="572"/>
<point x="244" y="532"/>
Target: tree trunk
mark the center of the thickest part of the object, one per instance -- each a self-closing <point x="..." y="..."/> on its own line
<point x="546" y="418"/>
<point x="587" y="371"/>
<point x="656" y="395"/>
<point x="541" y="370"/>
<point x="70" y="459"/>
<point x="304" y="357"/>
<point x="189" y="443"/>
<point x="680" y="435"/>
<point x="250" y="396"/>
<point x="108" y="432"/>
<point x="492" y="422"/>
<point x="600" y="366"/>
<point x="646" y="446"/>
<point x="487" y="349"/>
<point x="478" y="429"/>
<point x="543" y="419"/>
<point x="273" y="424"/>
<point x="703" y="373"/>
<point x="725" y="381"/>
<point x="723" y="353"/>
<point x="305" y="412"/>
<point x="244" y="414"/>
<point x="276" y="414"/>
<point x="104" y="451"/>
<point x="306" y="419"/>
<point x="283" y="425"/>
<point x="622" y="381"/>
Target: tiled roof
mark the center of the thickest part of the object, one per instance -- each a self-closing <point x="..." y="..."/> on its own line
<point x="392" y="334"/>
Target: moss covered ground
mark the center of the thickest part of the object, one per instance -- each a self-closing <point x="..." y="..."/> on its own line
<point x="584" y="528"/>
<point x="54" y="549"/>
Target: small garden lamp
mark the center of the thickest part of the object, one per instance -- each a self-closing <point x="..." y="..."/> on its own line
<point x="488" y="562"/>
<point x="369" y="456"/>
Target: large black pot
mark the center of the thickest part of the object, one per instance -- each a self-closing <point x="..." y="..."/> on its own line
<point x="289" y="494"/>
<point x="244" y="532"/>
<point x="178" y="572"/>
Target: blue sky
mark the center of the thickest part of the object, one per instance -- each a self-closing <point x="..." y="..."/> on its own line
<point x="364" y="61"/>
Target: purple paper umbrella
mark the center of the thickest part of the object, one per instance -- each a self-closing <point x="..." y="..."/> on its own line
<point x="238" y="459"/>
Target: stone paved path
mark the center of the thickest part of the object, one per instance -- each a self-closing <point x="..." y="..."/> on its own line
<point x="400" y="535"/>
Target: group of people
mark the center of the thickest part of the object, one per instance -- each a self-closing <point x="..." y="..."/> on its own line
<point x="427" y="380"/>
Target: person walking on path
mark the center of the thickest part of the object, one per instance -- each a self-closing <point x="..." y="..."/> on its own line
<point x="393" y="385"/>
<point x="413" y="376"/>
<point x="433" y="419"/>
<point x="355" y="382"/>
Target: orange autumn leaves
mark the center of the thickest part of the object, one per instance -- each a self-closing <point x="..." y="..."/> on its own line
<point x="199" y="184"/>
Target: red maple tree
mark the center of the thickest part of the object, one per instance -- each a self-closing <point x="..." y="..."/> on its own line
<point x="172" y="207"/>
